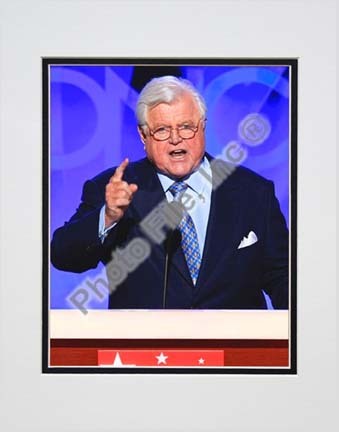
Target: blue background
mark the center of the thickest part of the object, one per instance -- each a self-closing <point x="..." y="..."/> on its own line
<point x="93" y="127"/>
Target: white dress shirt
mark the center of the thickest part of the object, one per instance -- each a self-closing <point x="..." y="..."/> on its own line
<point x="200" y="189"/>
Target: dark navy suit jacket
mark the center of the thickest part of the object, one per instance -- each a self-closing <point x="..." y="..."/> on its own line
<point x="229" y="278"/>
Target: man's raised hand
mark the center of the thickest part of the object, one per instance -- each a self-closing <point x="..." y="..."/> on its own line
<point x="118" y="196"/>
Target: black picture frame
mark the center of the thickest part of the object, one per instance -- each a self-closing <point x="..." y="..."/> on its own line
<point x="293" y="64"/>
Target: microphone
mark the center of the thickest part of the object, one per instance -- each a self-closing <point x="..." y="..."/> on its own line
<point x="171" y="240"/>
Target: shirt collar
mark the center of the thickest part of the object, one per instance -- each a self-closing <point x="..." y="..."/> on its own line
<point x="196" y="181"/>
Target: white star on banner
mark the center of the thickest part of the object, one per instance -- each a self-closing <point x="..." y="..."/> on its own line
<point x="118" y="363"/>
<point x="201" y="361"/>
<point x="161" y="358"/>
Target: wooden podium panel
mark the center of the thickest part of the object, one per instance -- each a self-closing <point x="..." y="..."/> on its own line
<point x="247" y="338"/>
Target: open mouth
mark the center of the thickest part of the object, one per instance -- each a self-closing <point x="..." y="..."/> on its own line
<point x="178" y="153"/>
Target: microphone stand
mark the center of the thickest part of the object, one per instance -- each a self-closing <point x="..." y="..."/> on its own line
<point x="173" y="234"/>
<point x="168" y="248"/>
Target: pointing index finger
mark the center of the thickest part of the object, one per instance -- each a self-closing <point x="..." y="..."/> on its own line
<point x="119" y="172"/>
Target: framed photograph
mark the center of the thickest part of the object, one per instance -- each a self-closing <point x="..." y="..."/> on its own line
<point x="118" y="306"/>
<point x="67" y="390"/>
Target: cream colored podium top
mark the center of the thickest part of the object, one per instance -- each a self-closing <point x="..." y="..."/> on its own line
<point x="169" y="324"/>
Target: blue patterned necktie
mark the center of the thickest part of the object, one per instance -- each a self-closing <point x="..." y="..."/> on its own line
<point x="189" y="238"/>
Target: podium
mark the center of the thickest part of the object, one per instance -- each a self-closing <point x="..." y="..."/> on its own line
<point x="247" y="338"/>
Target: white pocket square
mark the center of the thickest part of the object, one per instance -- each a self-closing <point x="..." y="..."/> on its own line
<point x="249" y="240"/>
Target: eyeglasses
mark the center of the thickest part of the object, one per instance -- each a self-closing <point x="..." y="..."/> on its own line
<point x="186" y="131"/>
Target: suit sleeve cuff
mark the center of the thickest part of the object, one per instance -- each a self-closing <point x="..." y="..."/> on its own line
<point x="103" y="231"/>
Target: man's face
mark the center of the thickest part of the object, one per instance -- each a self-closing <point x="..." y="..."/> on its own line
<point x="175" y="157"/>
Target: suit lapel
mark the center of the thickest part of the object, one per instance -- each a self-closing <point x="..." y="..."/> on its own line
<point x="150" y="193"/>
<point x="222" y="235"/>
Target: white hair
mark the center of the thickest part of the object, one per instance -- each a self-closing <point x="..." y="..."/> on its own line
<point x="165" y="89"/>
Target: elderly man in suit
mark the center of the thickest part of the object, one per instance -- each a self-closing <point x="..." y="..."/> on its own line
<point x="229" y="243"/>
